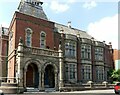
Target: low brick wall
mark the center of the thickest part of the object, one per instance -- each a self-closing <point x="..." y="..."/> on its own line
<point x="88" y="86"/>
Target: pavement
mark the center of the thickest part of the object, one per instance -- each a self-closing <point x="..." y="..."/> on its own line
<point x="87" y="92"/>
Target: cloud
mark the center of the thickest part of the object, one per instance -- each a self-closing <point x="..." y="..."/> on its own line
<point x="58" y="6"/>
<point x="10" y="0"/>
<point x="71" y="1"/>
<point x="105" y="29"/>
<point x="4" y="24"/>
<point x="89" y="5"/>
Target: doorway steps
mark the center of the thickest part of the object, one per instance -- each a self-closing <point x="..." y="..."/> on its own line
<point x="50" y="90"/>
<point x="31" y="89"/>
<point x="36" y="90"/>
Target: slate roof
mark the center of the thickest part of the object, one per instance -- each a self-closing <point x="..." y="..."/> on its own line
<point x="73" y="31"/>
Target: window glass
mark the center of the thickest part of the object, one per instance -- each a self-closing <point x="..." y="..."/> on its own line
<point x="99" y="53"/>
<point x="70" y="71"/>
<point x="42" y="40"/>
<point x="70" y="49"/>
<point x="85" y="51"/>
<point x="28" y="37"/>
<point x="100" y="72"/>
<point x="86" y="72"/>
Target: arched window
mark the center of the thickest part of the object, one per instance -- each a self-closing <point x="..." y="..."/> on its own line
<point x="42" y="39"/>
<point x="28" y="37"/>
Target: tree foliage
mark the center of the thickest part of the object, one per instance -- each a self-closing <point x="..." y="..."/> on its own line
<point x="114" y="74"/>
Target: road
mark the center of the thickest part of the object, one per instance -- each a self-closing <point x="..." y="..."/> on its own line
<point x="89" y="92"/>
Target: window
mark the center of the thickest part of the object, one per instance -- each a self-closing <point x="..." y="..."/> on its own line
<point x="99" y="53"/>
<point x="100" y="73"/>
<point x="66" y="49"/>
<point x="86" y="72"/>
<point x="70" y="49"/>
<point x="11" y="41"/>
<point x="66" y="73"/>
<point x="43" y="39"/>
<point x="28" y="37"/>
<point x="85" y="51"/>
<point x="70" y="71"/>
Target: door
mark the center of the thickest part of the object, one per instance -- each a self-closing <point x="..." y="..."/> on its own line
<point x="49" y="77"/>
<point x="32" y="76"/>
<point x="29" y="76"/>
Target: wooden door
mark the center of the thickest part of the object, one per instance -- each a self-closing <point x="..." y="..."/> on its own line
<point x="29" y="77"/>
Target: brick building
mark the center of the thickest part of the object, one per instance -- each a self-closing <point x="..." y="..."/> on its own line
<point x="116" y="58"/>
<point x="3" y="51"/>
<point x="45" y="54"/>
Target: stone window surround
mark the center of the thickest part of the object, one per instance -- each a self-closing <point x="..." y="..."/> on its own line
<point x="85" y="75"/>
<point x="86" y="50"/>
<point x="41" y="39"/>
<point x="100" y="73"/>
<point x="28" y="30"/>
<point x="10" y="41"/>
<point x="70" y="46"/>
<point x="68" y="72"/>
<point x="99" y="53"/>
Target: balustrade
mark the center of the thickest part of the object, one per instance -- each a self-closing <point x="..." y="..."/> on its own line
<point x="39" y="51"/>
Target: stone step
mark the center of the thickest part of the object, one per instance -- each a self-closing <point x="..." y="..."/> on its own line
<point x="32" y="89"/>
<point x="50" y="90"/>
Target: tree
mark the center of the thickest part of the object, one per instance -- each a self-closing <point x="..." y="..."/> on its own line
<point x="115" y="75"/>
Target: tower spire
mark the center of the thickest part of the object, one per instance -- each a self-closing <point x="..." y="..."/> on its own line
<point x="33" y="8"/>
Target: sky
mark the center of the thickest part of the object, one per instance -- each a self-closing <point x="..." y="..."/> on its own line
<point x="99" y="18"/>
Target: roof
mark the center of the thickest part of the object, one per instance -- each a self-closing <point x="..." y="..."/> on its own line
<point x="32" y="8"/>
<point x="73" y="31"/>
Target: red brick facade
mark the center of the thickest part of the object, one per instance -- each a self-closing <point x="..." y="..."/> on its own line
<point x="3" y="51"/>
<point x="83" y="62"/>
<point x="116" y="54"/>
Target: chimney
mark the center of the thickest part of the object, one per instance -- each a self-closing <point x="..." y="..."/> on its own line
<point x="69" y="24"/>
<point x="104" y="43"/>
<point x="110" y="45"/>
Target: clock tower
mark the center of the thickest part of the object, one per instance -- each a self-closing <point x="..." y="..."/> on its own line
<point x="33" y="8"/>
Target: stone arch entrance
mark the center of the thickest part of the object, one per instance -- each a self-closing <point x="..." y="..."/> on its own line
<point x="32" y="76"/>
<point x="49" y="76"/>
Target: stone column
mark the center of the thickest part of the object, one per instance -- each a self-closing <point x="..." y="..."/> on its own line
<point x="42" y="82"/>
<point x="24" y="78"/>
<point x="40" y="86"/>
<point x="19" y="62"/>
<point x="61" y="68"/>
<point x="56" y="81"/>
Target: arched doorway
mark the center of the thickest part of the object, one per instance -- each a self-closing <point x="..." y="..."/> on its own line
<point x="49" y="77"/>
<point x="32" y="76"/>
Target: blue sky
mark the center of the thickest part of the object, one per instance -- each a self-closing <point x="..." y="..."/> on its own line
<point x="98" y="17"/>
